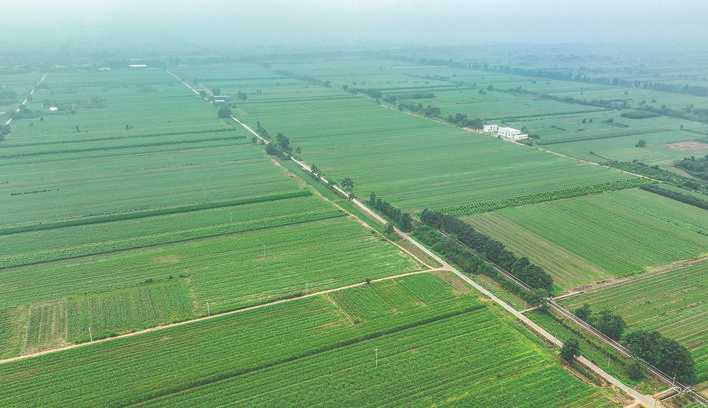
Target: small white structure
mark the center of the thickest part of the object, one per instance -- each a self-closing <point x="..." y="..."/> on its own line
<point x="491" y="128"/>
<point x="506" y="133"/>
<point x="53" y="109"/>
<point x="137" y="66"/>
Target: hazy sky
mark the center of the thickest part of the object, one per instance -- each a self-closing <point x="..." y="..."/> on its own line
<point x="242" y="23"/>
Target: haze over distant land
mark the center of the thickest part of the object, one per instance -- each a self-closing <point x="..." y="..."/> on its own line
<point x="354" y="23"/>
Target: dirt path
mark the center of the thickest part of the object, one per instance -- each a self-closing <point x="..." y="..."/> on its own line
<point x="27" y="98"/>
<point x="214" y="316"/>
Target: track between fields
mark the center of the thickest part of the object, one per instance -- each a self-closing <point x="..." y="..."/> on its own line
<point x="646" y="400"/>
<point x="213" y="316"/>
<point x="27" y="99"/>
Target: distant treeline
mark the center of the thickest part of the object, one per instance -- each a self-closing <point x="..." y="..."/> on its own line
<point x="658" y="173"/>
<point x="532" y="275"/>
<point x="403" y="220"/>
<point x="684" y="198"/>
<point x="690" y="112"/>
<point x="695" y="167"/>
<point x="304" y="78"/>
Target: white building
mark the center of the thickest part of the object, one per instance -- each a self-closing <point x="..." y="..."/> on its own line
<point x="506" y="133"/>
<point x="491" y="128"/>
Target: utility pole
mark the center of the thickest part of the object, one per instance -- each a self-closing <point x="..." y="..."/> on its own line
<point x="90" y="334"/>
<point x="376" y="350"/>
<point x="208" y="310"/>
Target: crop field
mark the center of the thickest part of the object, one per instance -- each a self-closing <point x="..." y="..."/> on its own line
<point x="623" y="232"/>
<point x="674" y="303"/>
<point x="412" y="161"/>
<point x="315" y="350"/>
<point x="115" y="221"/>
<point x="568" y="269"/>
<point x="226" y="272"/>
<point x="14" y="87"/>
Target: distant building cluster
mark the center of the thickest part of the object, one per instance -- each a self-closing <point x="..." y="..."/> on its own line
<point x="506" y="133"/>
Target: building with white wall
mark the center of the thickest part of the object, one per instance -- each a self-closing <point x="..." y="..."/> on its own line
<point x="506" y="133"/>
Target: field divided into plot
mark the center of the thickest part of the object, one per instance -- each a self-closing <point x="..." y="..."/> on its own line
<point x="134" y="205"/>
<point x="568" y="269"/>
<point x="228" y="272"/>
<point x="623" y="232"/>
<point x="673" y="303"/>
<point x="413" y="162"/>
<point x="510" y="100"/>
<point x="312" y="352"/>
<point x="14" y="87"/>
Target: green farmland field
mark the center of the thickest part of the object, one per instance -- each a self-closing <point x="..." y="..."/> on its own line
<point x="621" y="233"/>
<point x="673" y="303"/>
<point x="228" y="272"/>
<point x="413" y="162"/>
<point x="314" y="350"/>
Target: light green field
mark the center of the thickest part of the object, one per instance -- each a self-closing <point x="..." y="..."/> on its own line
<point x="312" y="351"/>
<point x="228" y="272"/>
<point x="413" y="162"/>
<point x="623" y="233"/>
<point x="674" y="303"/>
<point x="567" y="268"/>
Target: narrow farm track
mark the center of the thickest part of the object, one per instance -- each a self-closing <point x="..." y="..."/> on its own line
<point x="645" y="400"/>
<point x="213" y="316"/>
<point x="27" y="98"/>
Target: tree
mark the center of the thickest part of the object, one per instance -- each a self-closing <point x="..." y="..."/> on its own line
<point x="641" y="143"/>
<point x="372" y="199"/>
<point x="634" y="370"/>
<point x="315" y="170"/>
<point x="664" y="353"/>
<point x="570" y="350"/>
<point x="283" y="142"/>
<point x="610" y="324"/>
<point x="537" y="297"/>
<point x="583" y="313"/>
<point x="272" y="150"/>
<point x="224" y="112"/>
<point x="347" y="184"/>
<point x="389" y="228"/>
<point x="406" y="222"/>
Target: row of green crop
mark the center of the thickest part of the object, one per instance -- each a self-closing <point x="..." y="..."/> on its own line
<point x="144" y="241"/>
<point x="131" y="136"/>
<point x="152" y="213"/>
<point x="480" y="206"/>
<point x="428" y="366"/>
<point x="604" y="136"/>
<point x="136" y="367"/>
<point x="120" y="147"/>
<point x="377" y="362"/>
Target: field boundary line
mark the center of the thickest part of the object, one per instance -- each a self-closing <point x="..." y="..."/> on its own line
<point x="173" y="242"/>
<point x="213" y="316"/>
<point x="645" y="400"/>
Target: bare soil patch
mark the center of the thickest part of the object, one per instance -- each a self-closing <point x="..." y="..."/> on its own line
<point x="689" y="146"/>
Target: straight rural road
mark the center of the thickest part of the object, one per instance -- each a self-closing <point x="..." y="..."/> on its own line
<point x="27" y="98"/>
<point x="646" y="400"/>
